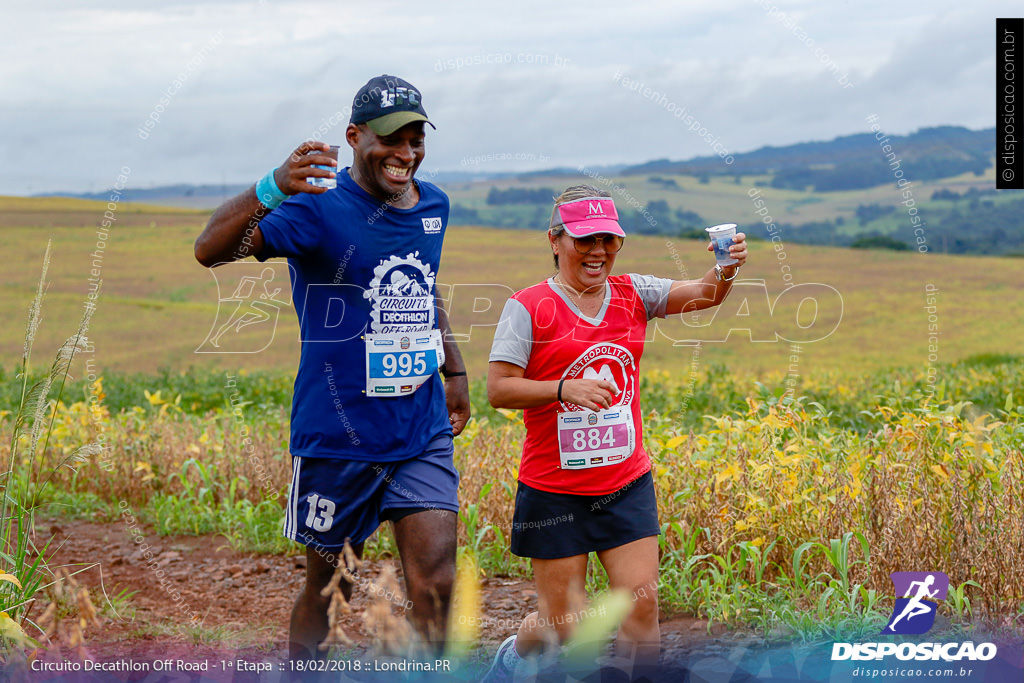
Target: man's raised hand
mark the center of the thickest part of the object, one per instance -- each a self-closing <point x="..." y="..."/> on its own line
<point x="291" y="175"/>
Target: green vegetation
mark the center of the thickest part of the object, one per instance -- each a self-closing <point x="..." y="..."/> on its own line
<point x="30" y="468"/>
<point x="782" y="514"/>
<point x="539" y="195"/>
<point x="978" y="221"/>
<point x="877" y="241"/>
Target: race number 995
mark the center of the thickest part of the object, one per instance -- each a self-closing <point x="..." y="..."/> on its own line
<point x="403" y="364"/>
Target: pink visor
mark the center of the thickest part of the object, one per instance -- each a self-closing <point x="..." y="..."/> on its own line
<point x="588" y="216"/>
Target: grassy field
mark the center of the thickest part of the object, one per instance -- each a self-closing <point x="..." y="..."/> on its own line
<point x="782" y="513"/>
<point x="157" y="305"/>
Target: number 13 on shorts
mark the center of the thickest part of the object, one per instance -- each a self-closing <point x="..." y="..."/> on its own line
<point x="321" y="513"/>
<point x="589" y="439"/>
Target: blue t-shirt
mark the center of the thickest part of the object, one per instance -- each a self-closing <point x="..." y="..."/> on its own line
<point x="359" y="267"/>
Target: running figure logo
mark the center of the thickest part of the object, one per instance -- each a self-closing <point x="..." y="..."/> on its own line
<point x="253" y="304"/>
<point x="914" y="612"/>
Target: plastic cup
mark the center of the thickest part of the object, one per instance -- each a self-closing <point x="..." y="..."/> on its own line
<point x="329" y="183"/>
<point x="721" y="238"/>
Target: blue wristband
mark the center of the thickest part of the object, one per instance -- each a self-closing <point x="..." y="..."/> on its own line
<point x="268" y="192"/>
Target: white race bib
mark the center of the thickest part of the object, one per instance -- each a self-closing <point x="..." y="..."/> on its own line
<point x="589" y="439"/>
<point x="398" y="363"/>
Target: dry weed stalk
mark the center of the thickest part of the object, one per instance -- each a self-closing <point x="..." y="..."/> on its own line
<point x="68" y="600"/>
<point x="491" y="457"/>
<point x="346" y="569"/>
<point x="392" y="634"/>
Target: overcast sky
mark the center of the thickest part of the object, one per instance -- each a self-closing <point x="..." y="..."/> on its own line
<point x="510" y="85"/>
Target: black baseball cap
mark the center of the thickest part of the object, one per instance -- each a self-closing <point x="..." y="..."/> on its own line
<point x="386" y="103"/>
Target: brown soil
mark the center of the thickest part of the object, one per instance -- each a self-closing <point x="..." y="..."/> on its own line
<point x="244" y="601"/>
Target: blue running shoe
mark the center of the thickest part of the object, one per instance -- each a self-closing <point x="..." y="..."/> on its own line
<point x="500" y="672"/>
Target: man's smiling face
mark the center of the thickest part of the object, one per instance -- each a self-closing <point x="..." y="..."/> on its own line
<point x="384" y="165"/>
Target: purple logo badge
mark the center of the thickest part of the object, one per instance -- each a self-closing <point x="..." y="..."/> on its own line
<point x="917" y="596"/>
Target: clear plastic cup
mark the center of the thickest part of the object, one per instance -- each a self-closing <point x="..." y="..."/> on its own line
<point x="329" y="183"/>
<point x="721" y="238"/>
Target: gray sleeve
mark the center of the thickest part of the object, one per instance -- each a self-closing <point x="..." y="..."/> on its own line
<point x="653" y="292"/>
<point x="513" y="337"/>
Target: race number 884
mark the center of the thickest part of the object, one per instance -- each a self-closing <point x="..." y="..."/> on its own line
<point x="592" y="439"/>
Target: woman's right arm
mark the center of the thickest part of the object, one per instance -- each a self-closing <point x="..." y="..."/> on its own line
<point x="507" y="388"/>
<point x="233" y="231"/>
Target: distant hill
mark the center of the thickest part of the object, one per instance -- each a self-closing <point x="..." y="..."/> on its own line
<point x="851" y="162"/>
<point x="189" y="196"/>
<point x="211" y="196"/>
<point x="840" y="192"/>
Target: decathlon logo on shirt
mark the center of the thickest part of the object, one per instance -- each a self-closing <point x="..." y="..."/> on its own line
<point x="431" y="226"/>
<point x="402" y="295"/>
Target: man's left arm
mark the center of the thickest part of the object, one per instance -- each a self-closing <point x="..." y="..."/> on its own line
<point x="456" y="383"/>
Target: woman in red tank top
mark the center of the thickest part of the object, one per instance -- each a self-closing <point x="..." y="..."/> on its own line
<point x="567" y="353"/>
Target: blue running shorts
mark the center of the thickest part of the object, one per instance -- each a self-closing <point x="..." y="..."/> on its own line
<point x="331" y="500"/>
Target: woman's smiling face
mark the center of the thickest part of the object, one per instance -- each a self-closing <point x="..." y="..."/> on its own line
<point x="583" y="271"/>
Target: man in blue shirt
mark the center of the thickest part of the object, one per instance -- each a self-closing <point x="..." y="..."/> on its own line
<point x="372" y="422"/>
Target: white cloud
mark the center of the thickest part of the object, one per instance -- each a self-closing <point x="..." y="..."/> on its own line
<point x="85" y="79"/>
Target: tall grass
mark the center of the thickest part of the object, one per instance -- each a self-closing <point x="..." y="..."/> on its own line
<point x="30" y="469"/>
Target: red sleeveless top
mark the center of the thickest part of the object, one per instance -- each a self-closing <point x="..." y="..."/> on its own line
<point x="566" y="346"/>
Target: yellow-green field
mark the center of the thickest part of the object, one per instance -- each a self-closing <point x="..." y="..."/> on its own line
<point x="157" y="305"/>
